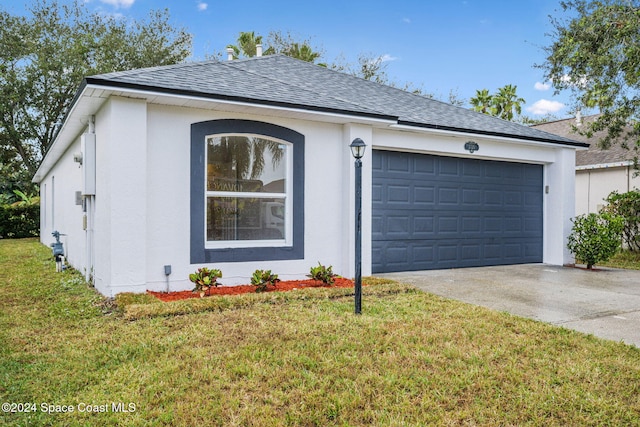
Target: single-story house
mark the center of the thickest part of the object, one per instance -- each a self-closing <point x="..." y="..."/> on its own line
<point x="245" y="165"/>
<point x="599" y="171"/>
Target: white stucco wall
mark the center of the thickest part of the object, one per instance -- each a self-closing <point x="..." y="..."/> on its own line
<point x="595" y="184"/>
<point x="142" y="201"/>
<point x="121" y="196"/>
<point x="59" y="211"/>
<point x="168" y="195"/>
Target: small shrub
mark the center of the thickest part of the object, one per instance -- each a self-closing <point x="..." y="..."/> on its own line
<point x="323" y="274"/>
<point x="204" y="279"/>
<point x="263" y="278"/>
<point x="595" y="238"/>
<point x="627" y="205"/>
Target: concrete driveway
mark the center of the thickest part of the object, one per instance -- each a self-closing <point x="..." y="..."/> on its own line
<point x="605" y="302"/>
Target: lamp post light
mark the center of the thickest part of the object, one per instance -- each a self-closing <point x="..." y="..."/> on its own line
<point x="357" y="150"/>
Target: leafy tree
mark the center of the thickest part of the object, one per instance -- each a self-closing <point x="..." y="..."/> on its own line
<point x="529" y="121"/>
<point x="595" y="237"/>
<point x="26" y="199"/>
<point x="44" y="57"/>
<point x="287" y="45"/>
<point x="455" y="99"/>
<point x="369" y="67"/>
<point x="595" y="54"/>
<point x="627" y="205"/>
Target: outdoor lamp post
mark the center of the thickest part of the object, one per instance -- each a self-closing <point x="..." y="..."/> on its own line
<point x="357" y="150"/>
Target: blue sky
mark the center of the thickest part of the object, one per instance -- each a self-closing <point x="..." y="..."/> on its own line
<point x="435" y="45"/>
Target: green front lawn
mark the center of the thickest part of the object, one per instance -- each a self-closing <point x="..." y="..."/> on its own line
<point x="411" y="359"/>
<point x="624" y="259"/>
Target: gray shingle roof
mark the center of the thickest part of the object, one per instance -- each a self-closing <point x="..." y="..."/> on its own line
<point x="284" y="81"/>
<point x="594" y="155"/>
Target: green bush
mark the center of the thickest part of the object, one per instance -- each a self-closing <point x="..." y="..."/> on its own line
<point x="627" y="205"/>
<point x="205" y="278"/>
<point x="323" y="274"/>
<point x="262" y="278"/>
<point x="19" y="221"/>
<point x="595" y="237"/>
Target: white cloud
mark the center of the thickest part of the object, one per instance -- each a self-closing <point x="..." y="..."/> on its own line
<point x="124" y="4"/>
<point x="544" y="106"/>
<point x="406" y="20"/>
<point x="542" y="86"/>
<point x="202" y="6"/>
<point x="387" y="58"/>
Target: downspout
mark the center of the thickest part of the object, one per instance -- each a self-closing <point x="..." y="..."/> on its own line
<point x="89" y="200"/>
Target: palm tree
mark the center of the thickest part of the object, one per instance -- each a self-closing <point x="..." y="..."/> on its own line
<point x="506" y="101"/>
<point x="247" y="42"/>
<point x="242" y="158"/>
<point x="303" y="52"/>
<point x="483" y="102"/>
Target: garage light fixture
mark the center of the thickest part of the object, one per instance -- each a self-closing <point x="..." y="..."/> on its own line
<point x="471" y="146"/>
<point x="357" y="149"/>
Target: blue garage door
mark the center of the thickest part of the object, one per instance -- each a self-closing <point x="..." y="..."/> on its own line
<point x="433" y="212"/>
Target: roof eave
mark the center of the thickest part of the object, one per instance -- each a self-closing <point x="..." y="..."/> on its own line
<point x="436" y="127"/>
<point x="50" y="157"/>
<point x="240" y="99"/>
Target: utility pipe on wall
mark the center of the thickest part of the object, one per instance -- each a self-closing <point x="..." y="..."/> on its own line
<point x="89" y="197"/>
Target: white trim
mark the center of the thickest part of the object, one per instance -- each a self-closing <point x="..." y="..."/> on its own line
<point x="150" y="95"/>
<point x="623" y="164"/>
<point x="228" y="244"/>
<point x="286" y="196"/>
<point x="513" y="139"/>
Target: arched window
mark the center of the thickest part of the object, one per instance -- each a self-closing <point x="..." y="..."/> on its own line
<point x="247" y="199"/>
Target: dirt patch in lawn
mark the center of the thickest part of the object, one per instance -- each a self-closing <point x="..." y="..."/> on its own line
<point x="285" y="285"/>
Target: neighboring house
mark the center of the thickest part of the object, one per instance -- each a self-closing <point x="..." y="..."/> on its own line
<point x="598" y="171"/>
<point x="246" y="164"/>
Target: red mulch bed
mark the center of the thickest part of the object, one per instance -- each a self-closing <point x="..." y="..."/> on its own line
<point x="285" y="285"/>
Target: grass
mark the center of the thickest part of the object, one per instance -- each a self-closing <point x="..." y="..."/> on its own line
<point x="624" y="259"/>
<point x="411" y="359"/>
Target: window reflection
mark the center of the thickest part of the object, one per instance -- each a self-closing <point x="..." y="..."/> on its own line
<point x="240" y="164"/>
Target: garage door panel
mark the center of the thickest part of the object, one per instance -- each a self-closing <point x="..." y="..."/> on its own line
<point x="399" y="164"/>
<point x="448" y="166"/>
<point x="512" y="199"/>
<point x="424" y="167"/>
<point x="448" y="196"/>
<point x="423" y="225"/>
<point x="471" y="252"/>
<point x="443" y="212"/>
<point x="422" y="255"/>
<point x="424" y="194"/>
<point x="398" y="194"/>
<point x="492" y="198"/>
<point x="471" y="225"/>
<point x="472" y="170"/>
<point x="472" y="197"/>
<point x="376" y="193"/>
<point x="397" y="227"/>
